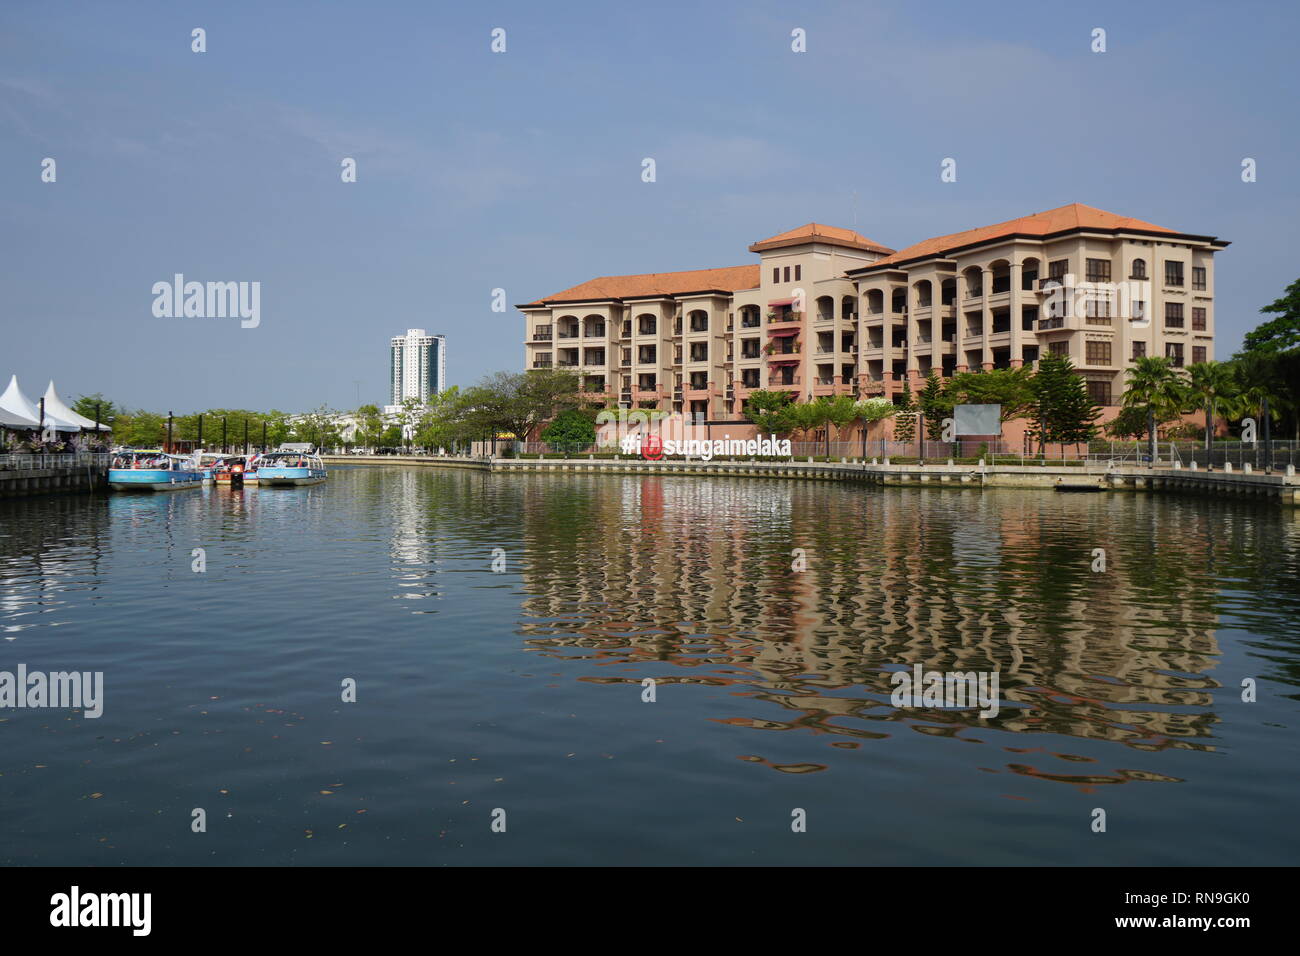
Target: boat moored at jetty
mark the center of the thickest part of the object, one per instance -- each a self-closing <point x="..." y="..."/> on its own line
<point x="290" y="468"/>
<point x="151" y="470"/>
<point x="208" y="463"/>
<point x="235" y="470"/>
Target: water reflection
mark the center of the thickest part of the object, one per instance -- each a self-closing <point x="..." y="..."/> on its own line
<point x="698" y="575"/>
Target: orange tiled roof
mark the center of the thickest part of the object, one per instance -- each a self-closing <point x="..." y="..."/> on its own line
<point x="1062" y="219"/>
<point x="816" y="232"/>
<point x="729" y="279"/>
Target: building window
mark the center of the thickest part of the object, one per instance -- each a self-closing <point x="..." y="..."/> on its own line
<point x="776" y="275"/>
<point x="1058" y="348"/>
<point x="1139" y="308"/>
<point x="1198" y="354"/>
<point x="1097" y="353"/>
<point x="1198" y="319"/>
<point x="787" y="273"/>
<point x="797" y="270"/>
<point x="1174" y="352"/>
<point x="1173" y="273"/>
<point x="1198" y="278"/>
<point x="1099" y="392"/>
<point x="1139" y="350"/>
<point x="1139" y="269"/>
<point x="1097" y="270"/>
<point x="1173" y="315"/>
<point x="1057" y="268"/>
<point x="1096" y="309"/>
<point x="749" y="378"/>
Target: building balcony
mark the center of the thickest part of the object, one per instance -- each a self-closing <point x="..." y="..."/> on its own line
<point x="542" y="363"/>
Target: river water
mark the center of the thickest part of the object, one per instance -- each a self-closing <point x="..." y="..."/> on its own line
<point x="500" y="630"/>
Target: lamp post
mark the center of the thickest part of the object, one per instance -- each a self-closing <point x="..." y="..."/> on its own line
<point x="263" y="437"/>
<point x="168" y="449"/>
<point x="1151" y="435"/>
<point x="1268" y="438"/>
<point x="200" y="431"/>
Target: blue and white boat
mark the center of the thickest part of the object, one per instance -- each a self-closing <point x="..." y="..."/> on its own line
<point x="151" y="470"/>
<point x="290" y="468"/>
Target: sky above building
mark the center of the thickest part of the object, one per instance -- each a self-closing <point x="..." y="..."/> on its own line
<point x="522" y="170"/>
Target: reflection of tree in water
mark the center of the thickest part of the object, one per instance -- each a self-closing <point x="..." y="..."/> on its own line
<point x="696" y="573"/>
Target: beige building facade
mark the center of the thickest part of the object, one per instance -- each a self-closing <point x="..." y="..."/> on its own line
<point x="827" y="311"/>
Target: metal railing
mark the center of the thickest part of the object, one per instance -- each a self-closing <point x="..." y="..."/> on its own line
<point x="42" y="460"/>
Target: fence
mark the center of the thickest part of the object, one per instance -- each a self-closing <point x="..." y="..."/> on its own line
<point x="43" y="461"/>
<point x="1236" y="453"/>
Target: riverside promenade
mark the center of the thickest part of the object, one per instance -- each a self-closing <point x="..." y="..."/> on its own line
<point x="1095" y="475"/>
<point x="24" y="475"/>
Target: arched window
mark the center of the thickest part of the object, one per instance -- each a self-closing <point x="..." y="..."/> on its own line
<point x="1139" y="269"/>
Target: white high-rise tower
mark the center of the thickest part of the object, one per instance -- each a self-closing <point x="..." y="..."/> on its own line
<point x="417" y="366"/>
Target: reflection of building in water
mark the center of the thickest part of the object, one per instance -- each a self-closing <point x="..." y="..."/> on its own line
<point x="699" y="573"/>
<point x="423" y="512"/>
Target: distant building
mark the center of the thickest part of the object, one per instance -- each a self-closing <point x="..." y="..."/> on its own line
<point x="417" y="367"/>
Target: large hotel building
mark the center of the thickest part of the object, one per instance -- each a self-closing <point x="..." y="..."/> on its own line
<point x="827" y="311"/>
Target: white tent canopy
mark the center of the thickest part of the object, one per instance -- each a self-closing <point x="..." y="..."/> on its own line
<point x="14" y="403"/>
<point x="54" y="406"/>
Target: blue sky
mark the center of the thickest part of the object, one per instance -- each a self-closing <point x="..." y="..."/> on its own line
<point x="522" y="170"/>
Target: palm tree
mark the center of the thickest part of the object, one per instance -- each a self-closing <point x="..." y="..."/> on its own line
<point x="1214" y="384"/>
<point x="1154" y="383"/>
<point x="1258" y="381"/>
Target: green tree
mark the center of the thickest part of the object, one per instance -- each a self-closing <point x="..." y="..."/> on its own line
<point x="1063" y="412"/>
<point x="768" y="411"/>
<point x="1154" y="384"/>
<point x="85" y="405"/>
<point x="1131" y="422"/>
<point x="806" y="416"/>
<point x="140" y="429"/>
<point x="870" y="411"/>
<point x="1260" y="377"/>
<point x="370" y="425"/>
<point x="1214" y="386"/>
<point x="1007" y="387"/>
<point x="571" y="427"/>
<point x="935" y="404"/>
<point x="518" y="403"/>
<point x="1283" y="333"/>
<point x="841" y="411"/>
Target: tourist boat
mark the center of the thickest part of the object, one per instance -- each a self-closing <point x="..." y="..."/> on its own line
<point x="151" y="470"/>
<point x="236" y="469"/>
<point x="290" y="468"/>
<point x="208" y="463"/>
